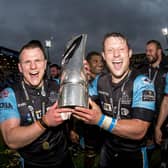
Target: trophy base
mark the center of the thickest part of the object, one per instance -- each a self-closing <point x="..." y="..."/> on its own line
<point x="73" y="95"/>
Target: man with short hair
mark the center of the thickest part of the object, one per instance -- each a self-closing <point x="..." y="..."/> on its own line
<point x="55" y="72"/>
<point x="157" y="74"/>
<point x="127" y="105"/>
<point x="30" y="119"/>
<point x="92" y="133"/>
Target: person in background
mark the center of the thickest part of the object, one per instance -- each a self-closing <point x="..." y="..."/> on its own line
<point x="156" y="72"/>
<point x="96" y="64"/>
<point x="127" y="106"/>
<point x="92" y="134"/>
<point x="55" y="72"/>
<point x="88" y="136"/>
<point x="30" y="119"/>
<point x="161" y="128"/>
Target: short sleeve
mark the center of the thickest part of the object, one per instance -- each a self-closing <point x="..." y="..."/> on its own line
<point x="144" y="95"/>
<point x="8" y="105"/>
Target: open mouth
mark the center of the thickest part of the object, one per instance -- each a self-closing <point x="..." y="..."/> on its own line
<point x="34" y="74"/>
<point x="117" y="64"/>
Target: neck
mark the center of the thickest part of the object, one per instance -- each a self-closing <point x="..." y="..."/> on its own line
<point x="34" y="86"/>
<point x="118" y="79"/>
<point x="155" y="65"/>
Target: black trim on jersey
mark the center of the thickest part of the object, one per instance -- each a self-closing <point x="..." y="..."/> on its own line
<point x="139" y="113"/>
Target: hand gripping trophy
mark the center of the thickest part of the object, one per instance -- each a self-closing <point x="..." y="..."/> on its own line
<point x="74" y="84"/>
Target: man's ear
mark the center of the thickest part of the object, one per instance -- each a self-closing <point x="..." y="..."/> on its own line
<point x="45" y="64"/>
<point x="159" y="52"/>
<point x="19" y="67"/>
<point x="130" y="53"/>
<point x="103" y="55"/>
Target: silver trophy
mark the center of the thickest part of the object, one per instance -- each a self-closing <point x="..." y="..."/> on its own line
<point x="74" y="85"/>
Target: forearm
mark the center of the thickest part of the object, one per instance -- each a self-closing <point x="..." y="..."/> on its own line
<point x="127" y="128"/>
<point x="131" y="129"/>
<point x="163" y="112"/>
<point x="16" y="136"/>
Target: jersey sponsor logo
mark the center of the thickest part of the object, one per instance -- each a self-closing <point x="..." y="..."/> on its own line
<point x="107" y="107"/>
<point x="6" y="105"/>
<point x="4" y="94"/>
<point x="148" y="95"/>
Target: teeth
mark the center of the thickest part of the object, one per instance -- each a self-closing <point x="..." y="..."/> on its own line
<point x="34" y="73"/>
<point x="116" y="62"/>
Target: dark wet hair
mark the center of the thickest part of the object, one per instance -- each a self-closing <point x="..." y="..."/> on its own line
<point x="55" y="65"/>
<point x="33" y="44"/>
<point x="115" y="34"/>
<point x="90" y="54"/>
<point x="157" y="43"/>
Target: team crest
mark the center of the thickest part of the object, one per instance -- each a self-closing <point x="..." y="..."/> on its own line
<point x="4" y="94"/>
<point x="107" y="107"/>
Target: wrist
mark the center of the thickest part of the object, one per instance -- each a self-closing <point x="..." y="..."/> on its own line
<point x="43" y="123"/>
<point x="107" y="123"/>
<point x="157" y="127"/>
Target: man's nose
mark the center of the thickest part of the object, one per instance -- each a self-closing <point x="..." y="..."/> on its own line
<point x="116" y="53"/>
<point x="33" y="65"/>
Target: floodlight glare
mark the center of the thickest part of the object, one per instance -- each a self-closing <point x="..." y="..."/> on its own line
<point x="165" y="31"/>
<point x="48" y="43"/>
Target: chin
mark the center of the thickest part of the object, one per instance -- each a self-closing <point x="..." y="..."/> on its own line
<point x="35" y="84"/>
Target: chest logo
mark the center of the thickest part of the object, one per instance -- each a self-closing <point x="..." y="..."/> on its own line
<point x="107" y="107"/>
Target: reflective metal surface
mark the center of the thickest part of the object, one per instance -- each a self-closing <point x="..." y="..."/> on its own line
<point x="74" y="84"/>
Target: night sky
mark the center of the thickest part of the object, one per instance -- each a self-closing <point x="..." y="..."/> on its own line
<point x="60" y="20"/>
